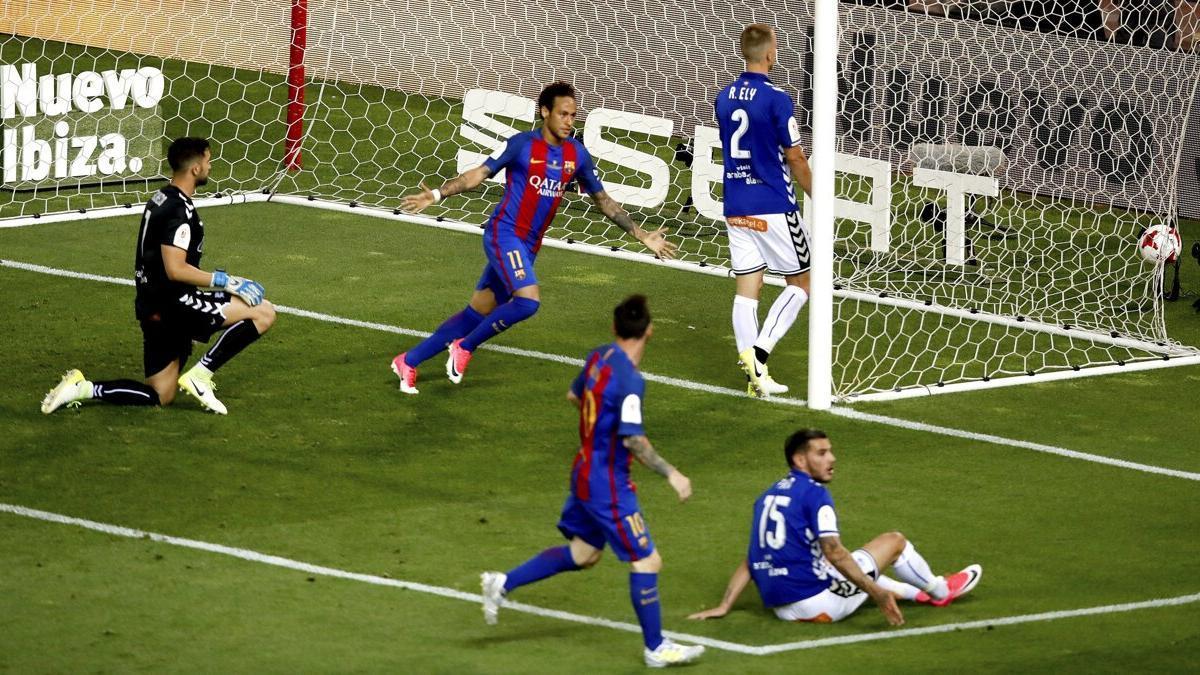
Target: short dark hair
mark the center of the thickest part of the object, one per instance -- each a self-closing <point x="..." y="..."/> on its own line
<point x="552" y="92"/>
<point x="631" y="318"/>
<point x="798" y="442"/>
<point x="184" y="151"/>
<point x="754" y="41"/>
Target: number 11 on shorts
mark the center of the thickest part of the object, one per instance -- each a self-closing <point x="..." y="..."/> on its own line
<point x="514" y="259"/>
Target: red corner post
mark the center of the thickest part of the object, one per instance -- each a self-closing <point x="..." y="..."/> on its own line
<point x="295" y="109"/>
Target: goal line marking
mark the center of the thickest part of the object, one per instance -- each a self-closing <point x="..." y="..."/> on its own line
<point x="682" y="383"/>
<point x="763" y="650"/>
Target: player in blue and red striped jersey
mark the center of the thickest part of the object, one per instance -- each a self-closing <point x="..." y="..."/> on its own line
<point x="603" y="507"/>
<point x="538" y="167"/>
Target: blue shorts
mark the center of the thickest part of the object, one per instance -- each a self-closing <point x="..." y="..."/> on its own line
<point x="509" y="265"/>
<point x="621" y="528"/>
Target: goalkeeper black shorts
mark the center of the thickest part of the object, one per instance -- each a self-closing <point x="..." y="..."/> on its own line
<point x="167" y="335"/>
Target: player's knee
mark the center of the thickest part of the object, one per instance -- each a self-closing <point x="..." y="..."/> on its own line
<point x="526" y="307"/>
<point x="799" y="281"/>
<point x="264" y="316"/>
<point x="896" y="539"/>
<point x="651" y="564"/>
<point x="589" y="560"/>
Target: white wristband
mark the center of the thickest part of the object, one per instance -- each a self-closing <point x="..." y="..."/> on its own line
<point x="437" y="195"/>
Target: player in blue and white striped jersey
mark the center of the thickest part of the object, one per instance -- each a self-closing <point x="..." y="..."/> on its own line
<point x="760" y="143"/>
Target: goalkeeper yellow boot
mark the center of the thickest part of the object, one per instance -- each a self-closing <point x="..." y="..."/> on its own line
<point x="70" y="391"/>
<point x="198" y="384"/>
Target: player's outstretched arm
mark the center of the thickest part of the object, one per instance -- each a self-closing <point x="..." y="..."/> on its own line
<point x="801" y="171"/>
<point x="839" y="557"/>
<point x="574" y="399"/>
<point x="737" y="584"/>
<point x="655" y="241"/>
<point x="469" y="180"/>
<point x="645" y="453"/>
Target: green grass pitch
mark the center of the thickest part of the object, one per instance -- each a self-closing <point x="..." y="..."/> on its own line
<point x="322" y="460"/>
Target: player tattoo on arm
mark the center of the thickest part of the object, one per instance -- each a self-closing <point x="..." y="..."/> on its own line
<point x="416" y="202"/>
<point x="655" y="241"/>
<point x="613" y="211"/>
<point x="465" y="181"/>
<point x="641" y="448"/>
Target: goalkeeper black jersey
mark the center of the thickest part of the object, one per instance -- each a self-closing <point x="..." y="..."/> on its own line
<point x="170" y="219"/>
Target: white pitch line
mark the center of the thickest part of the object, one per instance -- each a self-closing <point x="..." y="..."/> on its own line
<point x="688" y="384"/>
<point x="982" y="623"/>
<point x="1000" y="440"/>
<point x="309" y="568"/>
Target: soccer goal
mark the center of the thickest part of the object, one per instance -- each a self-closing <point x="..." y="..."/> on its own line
<point x="982" y="208"/>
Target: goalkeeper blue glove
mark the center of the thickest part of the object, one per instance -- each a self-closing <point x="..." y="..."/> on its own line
<point x="247" y="289"/>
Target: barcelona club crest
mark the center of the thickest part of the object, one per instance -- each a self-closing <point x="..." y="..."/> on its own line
<point x="520" y="274"/>
<point x="569" y="166"/>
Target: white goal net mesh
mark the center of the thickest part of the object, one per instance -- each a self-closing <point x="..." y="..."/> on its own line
<point x="993" y="179"/>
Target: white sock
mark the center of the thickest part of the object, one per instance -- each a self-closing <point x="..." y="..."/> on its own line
<point x="200" y="370"/>
<point x="779" y="319"/>
<point x="86" y="389"/>
<point x="912" y="569"/>
<point x="906" y="591"/>
<point x="745" y="322"/>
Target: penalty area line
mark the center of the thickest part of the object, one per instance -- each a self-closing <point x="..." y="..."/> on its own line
<point x="764" y="650"/>
<point x="686" y="384"/>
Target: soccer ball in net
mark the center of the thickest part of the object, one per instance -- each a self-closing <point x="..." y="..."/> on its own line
<point x="1160" y="243"/>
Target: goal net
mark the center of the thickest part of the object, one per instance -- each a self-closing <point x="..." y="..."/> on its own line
<point x="992" y="181"/>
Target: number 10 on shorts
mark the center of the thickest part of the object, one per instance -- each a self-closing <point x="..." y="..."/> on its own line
<point x="637" y="526"/>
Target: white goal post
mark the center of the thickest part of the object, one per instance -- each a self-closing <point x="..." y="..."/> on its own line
<point x="979" y="187"/>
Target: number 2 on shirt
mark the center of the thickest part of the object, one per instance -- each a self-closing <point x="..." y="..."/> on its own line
<point x="743" y="121"/>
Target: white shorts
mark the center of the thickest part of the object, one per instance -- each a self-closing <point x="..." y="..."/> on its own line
<point x="777" y="242"/>
<point x="835" y="603"/>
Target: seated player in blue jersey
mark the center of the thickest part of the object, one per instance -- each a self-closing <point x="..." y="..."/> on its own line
<point x="538" y="166"/>
<point x="602" y="507"/>
<point x="802" y="570"/>
<point x="760" y="147"/>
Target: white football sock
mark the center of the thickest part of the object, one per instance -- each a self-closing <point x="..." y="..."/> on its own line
<point x="200" y="370"/>
<point x="912" y="569"/>
<point x="745" y="322"/>
<point x="779" y="319"/>
<point x="906" y="591"/>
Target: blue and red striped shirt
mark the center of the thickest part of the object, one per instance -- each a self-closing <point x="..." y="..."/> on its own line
<point x="536" y="174"/>
<point x="610" y="391"/>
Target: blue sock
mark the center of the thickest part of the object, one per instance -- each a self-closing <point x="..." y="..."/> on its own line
<point x="643" y="590"/>
<point x="501" y="319"/>
<point x="451" y="329"/>
<point x="545" y="564"/>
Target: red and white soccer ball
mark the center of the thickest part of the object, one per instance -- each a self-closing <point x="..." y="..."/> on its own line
<point x="1160" y="243"/>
